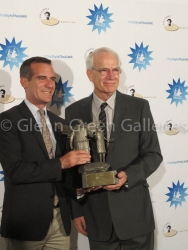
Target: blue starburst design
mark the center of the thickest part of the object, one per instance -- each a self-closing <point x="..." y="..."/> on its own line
<point x="100" y="18"/>
<point x="177" y="92"/>
<point x="2" y="177"/>
<point x="61" y="94"/>
<point x="177" y="194"/>
<point x="140" y="56"/>
<point x="12" y="53"/>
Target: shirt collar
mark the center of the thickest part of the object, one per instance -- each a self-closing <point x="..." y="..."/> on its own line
<point x="34" y="109"/>
<point x="111" y="101"/>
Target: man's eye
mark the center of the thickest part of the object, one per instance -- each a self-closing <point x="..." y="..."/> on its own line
<point x="104" y="70"/>
<point x="115" y="70"/>
<point x="41" y="77"/>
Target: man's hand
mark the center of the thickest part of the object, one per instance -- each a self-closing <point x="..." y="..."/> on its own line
<point x="80" y="225"/>
<point x="74" y="157"/>
<point x="122" y="179"/>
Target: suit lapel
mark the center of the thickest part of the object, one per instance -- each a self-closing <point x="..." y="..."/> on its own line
<point x="119" y="116"/>
<point x="86" y="110"/>
<point x="32" y="126"/>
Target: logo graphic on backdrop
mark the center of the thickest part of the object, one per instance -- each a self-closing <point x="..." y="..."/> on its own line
<point x="170" y="128"/>
<point x="132" y="91"/>
<point x="12" y="53"/>
<point x="177" y="194"/>
<point x="140" y="56"/>
<point x="2" y="175"/>
<point x="48" y="18"/>
<point x="170" y="25"/>
<point x="177" y="92"/>
<point x="89" y="51"/>
<point x="4" y="97"/>
<point x="100" y="18"/>
<point x="169" y="231"/>
<point x="61" y="94"/>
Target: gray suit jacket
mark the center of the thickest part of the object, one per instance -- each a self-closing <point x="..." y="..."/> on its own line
<point x="30" y="177"/>
<point x="134" y="149"/>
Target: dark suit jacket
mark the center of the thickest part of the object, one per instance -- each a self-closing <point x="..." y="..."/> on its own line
<point x="135" y="150"/>
<point x="30" y="176"/>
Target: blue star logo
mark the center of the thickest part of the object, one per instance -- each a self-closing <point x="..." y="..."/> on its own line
<point x="2" y="177"/>
<point x="140" y="56"/>
<point x="61" y="94"/>
<point x="100" y="18"/>
<point x="12" y="53"/>
<point x="177" y="92"/>
<point x="177" y="194"/>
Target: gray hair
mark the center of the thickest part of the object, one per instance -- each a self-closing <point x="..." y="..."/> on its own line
<point x="89" y="58"/>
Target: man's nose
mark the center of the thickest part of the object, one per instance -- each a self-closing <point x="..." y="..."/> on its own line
<point x="111" y="74"/>
<point x="50" y="82"/>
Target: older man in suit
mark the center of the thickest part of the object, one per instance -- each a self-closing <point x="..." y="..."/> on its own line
<point x="118" y="216"/>
<point x="35" y="161"/>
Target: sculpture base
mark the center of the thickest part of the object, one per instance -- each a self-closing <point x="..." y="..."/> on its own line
<point x="99" y="179"/>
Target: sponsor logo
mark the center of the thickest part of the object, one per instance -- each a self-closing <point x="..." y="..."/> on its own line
<point x="140" y="22"/>
<point x="4" y="97"/>
<point x="61" y="94"/>
<point x="132" y="91"/>
<point x="170" y="25"/>
<point x="89" y="51"/>
<point x="54" y="57"/>
<point x="169" y="231"/>
<point x="170" y="128"/>
<point x="12" y="53"/>
<point x="177" y="92"/>
<point x="48" y="18"/>
<point x="177" y="194"/>
<point x="140" y="56"/>
<point x="12" y="15"/>
<point x="177" y="162"/>
<point x="2" y="175"/>
<point x="100" y="18"/>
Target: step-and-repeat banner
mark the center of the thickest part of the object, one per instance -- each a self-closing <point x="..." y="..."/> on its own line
<point x="152" y="40"/>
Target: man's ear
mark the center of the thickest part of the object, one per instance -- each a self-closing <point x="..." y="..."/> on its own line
<point x="89" y="74"/>
<point x="24" y="82"/>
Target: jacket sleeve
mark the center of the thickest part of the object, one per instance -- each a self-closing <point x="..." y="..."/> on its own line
<point x="21" y="157"/>
<point x="149" y="156"/>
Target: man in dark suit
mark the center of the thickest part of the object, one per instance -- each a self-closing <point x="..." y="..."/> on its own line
<point x="118" y="216"/>
<point x="35" y="162"/>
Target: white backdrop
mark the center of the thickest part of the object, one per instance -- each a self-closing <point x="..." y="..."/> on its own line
<point x="151" y="38"/>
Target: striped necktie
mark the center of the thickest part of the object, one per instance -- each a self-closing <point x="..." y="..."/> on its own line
<point x="102" y="119"/>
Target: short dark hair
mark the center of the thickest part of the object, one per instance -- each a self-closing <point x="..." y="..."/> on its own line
<point x="25" y="69"/>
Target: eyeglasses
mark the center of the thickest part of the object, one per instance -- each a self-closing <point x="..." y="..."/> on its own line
<point x="105" y="71"/>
